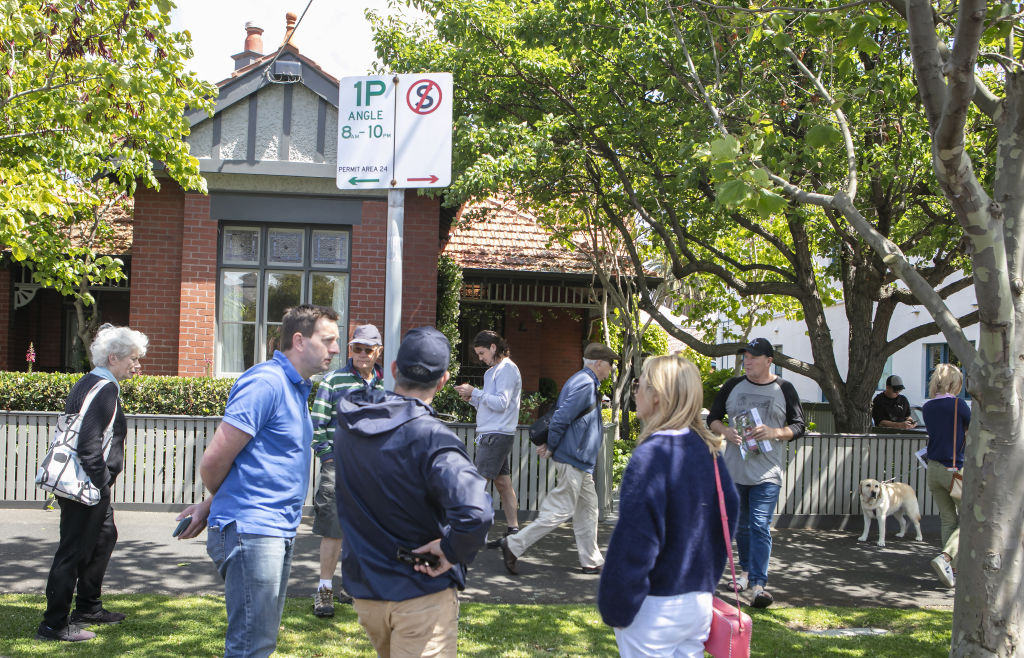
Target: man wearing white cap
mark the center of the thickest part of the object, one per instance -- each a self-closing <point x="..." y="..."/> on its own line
<point x="361" y="371"/>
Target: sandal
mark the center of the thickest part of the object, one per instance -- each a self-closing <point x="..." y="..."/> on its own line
<point x="762" y="599"/>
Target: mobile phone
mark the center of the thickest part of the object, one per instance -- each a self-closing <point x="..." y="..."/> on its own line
<point x="184" y="523"/>
<point x="412" y="559"/>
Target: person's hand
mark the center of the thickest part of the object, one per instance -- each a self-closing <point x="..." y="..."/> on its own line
<point x="434" y="548"/>
<point x="763" y="432"/>
<point x="732" y="436"/>
<point x="543" y="452"/>
<point x="465" y="391"/>
<point x="199" y="514"/>
<point x="910" y="423"/>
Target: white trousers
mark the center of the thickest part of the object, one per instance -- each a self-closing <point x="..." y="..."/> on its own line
<point x="674" y="626"/>
<point x="574" y="497"/>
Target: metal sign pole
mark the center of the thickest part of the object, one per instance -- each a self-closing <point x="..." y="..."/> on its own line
<point x="393" y="283"/>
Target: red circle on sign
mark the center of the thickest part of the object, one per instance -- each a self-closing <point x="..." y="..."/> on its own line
<point x="424" y="102"/>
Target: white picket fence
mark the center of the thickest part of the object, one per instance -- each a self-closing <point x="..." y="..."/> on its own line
<point x="162" y="456"/>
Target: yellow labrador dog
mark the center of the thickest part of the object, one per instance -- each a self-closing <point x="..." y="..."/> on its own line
<point x="879" y="500"/>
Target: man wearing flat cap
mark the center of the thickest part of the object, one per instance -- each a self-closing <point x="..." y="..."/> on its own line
<point x="406" y="483"/>
<point x="361" y="371"/>
<point x="574" y="441"/>
<point x="891" y="408"/>
<point x="763" y="410"/>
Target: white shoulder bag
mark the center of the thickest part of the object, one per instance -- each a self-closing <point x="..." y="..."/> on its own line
<point x="61" y="472"/>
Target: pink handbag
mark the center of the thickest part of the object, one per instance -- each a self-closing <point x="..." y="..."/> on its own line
<point x="730" y="626"/>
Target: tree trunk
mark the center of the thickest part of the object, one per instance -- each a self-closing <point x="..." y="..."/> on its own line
<point x="989" y="604"/>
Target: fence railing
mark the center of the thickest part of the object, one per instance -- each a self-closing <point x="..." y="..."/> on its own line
<point x="162" y="455"/>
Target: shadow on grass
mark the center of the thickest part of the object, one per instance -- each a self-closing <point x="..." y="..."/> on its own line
<point x="194" y="626"/>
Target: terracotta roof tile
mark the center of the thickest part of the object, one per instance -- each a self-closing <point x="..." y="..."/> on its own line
<point x="495" y="235"/>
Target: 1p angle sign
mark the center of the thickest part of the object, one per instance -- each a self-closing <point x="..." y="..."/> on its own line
<point x="395" y="131"/>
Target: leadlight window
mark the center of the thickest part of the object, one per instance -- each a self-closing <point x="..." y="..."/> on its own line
<point x="264" y="270"/>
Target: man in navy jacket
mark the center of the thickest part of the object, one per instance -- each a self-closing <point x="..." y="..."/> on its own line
<point x="405" y="481"/>
<point x="574" y="441"/>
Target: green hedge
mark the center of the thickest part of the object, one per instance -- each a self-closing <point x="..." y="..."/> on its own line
<point x="177" y="396"/>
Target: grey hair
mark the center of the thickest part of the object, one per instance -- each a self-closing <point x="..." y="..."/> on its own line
<point x="590" y="363"/>
<point x="117" y="342"/>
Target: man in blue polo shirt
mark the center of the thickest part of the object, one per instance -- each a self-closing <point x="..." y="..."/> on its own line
<point x="257" y="468"/>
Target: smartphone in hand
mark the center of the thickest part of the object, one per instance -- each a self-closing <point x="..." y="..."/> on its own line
<point x="184" y="523"/>
<point x="412" y="559"/>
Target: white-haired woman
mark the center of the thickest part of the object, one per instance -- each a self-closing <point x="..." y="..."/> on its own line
<point x="946" y="418"/>
<point x="667" y="551"/>
<point x="87" y="533"/>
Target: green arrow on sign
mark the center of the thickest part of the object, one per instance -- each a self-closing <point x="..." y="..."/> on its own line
<point x="357" y="181"/>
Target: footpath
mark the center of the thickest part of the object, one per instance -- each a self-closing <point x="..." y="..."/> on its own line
<point x="808" y="567"/>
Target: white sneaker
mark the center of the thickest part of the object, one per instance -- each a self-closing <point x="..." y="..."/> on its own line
<point x="944" y="570"/>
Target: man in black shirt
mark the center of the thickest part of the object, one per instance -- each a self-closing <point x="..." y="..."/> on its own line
<point x="890" y="408"/>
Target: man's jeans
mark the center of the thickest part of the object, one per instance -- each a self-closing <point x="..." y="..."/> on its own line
<point x="754" y="536"/>
<point x="255" y="570"/>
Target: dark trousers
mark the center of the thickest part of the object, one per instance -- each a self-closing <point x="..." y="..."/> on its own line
<point x="87" y="538"/>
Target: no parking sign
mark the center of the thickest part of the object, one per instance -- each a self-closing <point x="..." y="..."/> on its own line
<point x="395" y="131"/>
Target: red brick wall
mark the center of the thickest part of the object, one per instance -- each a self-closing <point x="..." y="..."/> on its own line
<point x="419" y="256"/>
<point x="198" y="291"/>
<point x="156" y="274"/>
<point x="369" y="253"/>
<point x="422" y="248"/>
<point x="552" y="347"/>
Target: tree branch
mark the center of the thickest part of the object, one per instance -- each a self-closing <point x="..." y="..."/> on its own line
<point x="896" y="261"/>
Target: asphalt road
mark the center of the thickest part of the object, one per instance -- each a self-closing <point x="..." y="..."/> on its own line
<point x="808" y="567"/>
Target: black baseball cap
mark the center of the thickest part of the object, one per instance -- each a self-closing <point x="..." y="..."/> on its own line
<point x="423" y="355"/>
<point x="895" y="383"/>
<point x="758" y="347"/>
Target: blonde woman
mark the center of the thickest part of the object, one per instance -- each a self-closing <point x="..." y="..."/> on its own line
<point x="667" y="552"/>
<point x="946" y="418"/>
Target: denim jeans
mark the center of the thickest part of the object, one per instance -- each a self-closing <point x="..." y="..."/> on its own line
<point x="754" y="536"/>
<point x="255" y="570"/>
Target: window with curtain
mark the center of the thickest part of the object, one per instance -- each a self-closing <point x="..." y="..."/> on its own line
<point x="265" y="269"/>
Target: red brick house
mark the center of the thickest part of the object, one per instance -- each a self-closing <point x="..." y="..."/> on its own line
<point x="542" y="298"/>
<point x="209" y="275"/>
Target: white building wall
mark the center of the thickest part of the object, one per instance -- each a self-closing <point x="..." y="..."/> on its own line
<point x="909" y="363"/>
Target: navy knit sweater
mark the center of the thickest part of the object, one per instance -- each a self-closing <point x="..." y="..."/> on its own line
<point x="668" y="539"/>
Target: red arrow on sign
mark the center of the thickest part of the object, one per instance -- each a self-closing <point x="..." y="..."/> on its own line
<point x="432" y="179"/>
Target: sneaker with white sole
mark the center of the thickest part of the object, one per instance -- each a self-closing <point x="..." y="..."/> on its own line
<point x="944" y="570"/>
<point x="323" y="602"/>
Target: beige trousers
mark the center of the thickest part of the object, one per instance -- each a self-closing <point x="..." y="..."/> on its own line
<point x="949" y="510"/>
<point x="424" y="626"/>
<point x="574" y="497"/>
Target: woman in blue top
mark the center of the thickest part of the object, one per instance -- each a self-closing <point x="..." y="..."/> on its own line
<point x="667" y="551"/>
<point x="946" y="418"/>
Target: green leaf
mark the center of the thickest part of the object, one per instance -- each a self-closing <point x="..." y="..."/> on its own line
<point x="769" y="203"/>
<point x="733" y="192"/>
<point x="725" y="149"/>
<point x="820" y="136"/>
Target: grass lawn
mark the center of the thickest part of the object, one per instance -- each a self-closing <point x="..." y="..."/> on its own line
<point x="194" y="626"/>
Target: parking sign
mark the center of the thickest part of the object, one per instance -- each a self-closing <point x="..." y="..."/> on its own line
<point x="395" y="131"/>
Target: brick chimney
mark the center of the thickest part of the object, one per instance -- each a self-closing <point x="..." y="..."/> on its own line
<point x="253" y="48"/>
<point x="289" y="28"/>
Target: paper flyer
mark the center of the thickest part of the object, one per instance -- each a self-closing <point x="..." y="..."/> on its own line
<point x="745" y="423"/>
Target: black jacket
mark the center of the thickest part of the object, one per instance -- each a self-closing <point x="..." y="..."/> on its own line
<point x="97" y="417"/>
